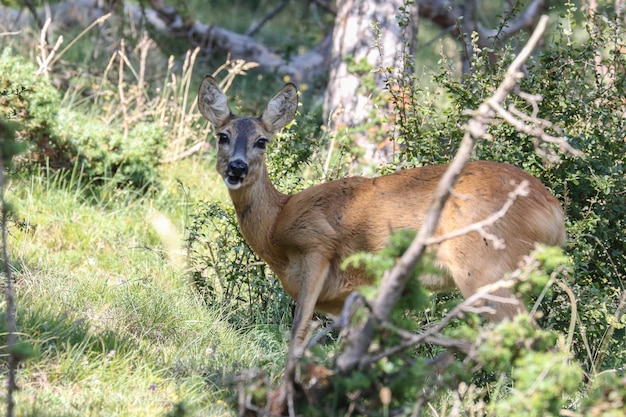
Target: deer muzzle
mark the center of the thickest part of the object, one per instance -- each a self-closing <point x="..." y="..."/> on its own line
<point x="237" y="171"/>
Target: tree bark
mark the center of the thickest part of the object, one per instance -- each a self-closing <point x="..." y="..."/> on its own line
<point x="365" y="31"/>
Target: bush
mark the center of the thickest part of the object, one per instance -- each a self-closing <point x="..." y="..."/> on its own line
<point x="227" y="272"/>
<point x="589" y="110"/>
<point x="69" y="139"/>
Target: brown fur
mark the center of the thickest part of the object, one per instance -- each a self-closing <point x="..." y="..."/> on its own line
<point x="305" y="237"/>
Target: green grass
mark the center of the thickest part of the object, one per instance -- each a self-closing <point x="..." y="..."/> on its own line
<point x="105" y="301"/>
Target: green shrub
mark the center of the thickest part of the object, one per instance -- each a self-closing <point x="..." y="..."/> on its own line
<point x="228" y="273"/>
<point x="72" y="138"/>
<point x="29" y="100"/>
<point x="588" y="109"/>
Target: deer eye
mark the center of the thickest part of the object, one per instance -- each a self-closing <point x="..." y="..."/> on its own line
<point x="222" y="138"/>
<point x="261" y="143"/>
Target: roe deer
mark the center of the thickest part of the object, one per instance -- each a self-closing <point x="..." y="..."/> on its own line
<point x="305" y="237"/>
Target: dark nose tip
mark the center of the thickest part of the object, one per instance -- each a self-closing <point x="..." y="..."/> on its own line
<point x="238" y="168"/>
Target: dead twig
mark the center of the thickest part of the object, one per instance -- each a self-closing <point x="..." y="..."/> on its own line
<point x="521" y="190"/>
<point x="432" y="335"/>
<point x="46" y="57"/>
<point x="193" y="149"/>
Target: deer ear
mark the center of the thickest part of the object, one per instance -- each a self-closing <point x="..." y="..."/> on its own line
<point x="212" y="102"/>
<point x="281" y="109"/>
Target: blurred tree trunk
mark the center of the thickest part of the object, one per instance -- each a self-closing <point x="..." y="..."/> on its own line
<point x="367" y="35"/>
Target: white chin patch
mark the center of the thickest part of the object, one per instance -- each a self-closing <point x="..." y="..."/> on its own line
<point x="233" y="183"/>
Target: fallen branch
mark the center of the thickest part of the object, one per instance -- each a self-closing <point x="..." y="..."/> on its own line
<point x="256" y="26"/>
<point x="166" y="20"/>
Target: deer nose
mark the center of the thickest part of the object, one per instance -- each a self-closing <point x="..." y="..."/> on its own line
<point x="238" y="168"/>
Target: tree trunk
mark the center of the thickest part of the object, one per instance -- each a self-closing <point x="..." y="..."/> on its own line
<point x="365" y="32"/>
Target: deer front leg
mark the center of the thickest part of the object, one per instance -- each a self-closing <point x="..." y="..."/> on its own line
<point x="314" y="271"/>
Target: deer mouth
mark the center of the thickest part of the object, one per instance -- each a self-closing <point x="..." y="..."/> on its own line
<point x="234" y="181"/>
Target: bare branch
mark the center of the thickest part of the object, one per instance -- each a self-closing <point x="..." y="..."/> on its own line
<point x="326" y="5"/>
<point x="211" y="39"/>
<point x="522" y="21"/>
<point x="358" y="342"/>
<point x="188" y="152"/>
<point x="343" y="319"/>
<point x="45" y="58"/>
<point x="447" y="15"/>
<point x="469" y="305"/>
<point x="536" y="127"/>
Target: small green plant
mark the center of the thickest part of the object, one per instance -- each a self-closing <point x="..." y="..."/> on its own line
<point x="227" y="272"/>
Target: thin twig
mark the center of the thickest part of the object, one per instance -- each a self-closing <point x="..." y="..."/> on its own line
<point x="120" y="87"/>
<point x="256" y="26"/>
<point x="193" y="149"/>
<point x="45" y="58"/>
<point x="341" y="321"/>
<point x="98" y="21"/>
<point x="602" y="350"/>
<point x="574" y="315"/>
<point x="429" y="336"/>
<point x="521" y="190"/>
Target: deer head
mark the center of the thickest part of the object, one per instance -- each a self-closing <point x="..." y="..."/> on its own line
<point x="242" y="140"/>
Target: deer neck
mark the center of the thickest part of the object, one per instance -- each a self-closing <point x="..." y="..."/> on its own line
<point x="257" y="207"/>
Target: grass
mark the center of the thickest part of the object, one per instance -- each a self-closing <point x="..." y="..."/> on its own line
<point x="104" y="300"/>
